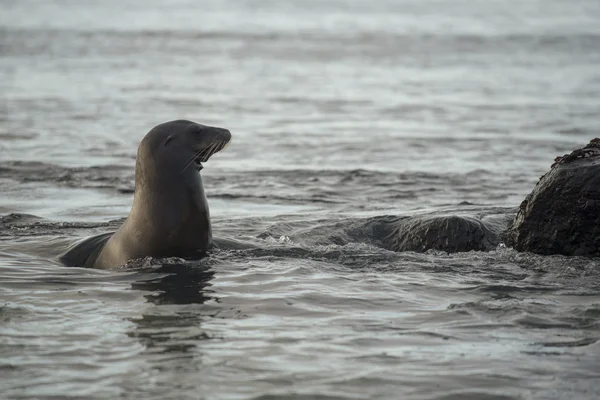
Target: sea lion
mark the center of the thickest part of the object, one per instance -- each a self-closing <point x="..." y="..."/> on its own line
<point x="169" y="216"/>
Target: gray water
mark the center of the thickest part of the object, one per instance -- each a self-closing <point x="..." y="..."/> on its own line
<point x="341" y="111"/>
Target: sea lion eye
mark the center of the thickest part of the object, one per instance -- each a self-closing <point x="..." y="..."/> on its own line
<point x="198" y="131"/>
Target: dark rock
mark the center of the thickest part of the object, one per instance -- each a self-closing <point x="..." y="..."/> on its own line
<point x="18" y="219"/>
<point x="451" y="233"/>
<point x="562" y="213"/>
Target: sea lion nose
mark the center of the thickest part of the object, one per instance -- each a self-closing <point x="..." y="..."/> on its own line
<point x="224" y="134"/>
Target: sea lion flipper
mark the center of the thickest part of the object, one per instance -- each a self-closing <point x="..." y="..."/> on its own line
<point x="85" y="253"/>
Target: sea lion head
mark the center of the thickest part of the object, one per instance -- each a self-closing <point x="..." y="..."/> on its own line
<point x="179" y="144"/>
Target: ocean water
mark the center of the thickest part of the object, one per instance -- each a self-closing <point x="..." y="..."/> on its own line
<point x="341" y="112"/>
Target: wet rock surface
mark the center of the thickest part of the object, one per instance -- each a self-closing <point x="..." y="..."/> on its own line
<point x="446" y="233"/>
<point x="562" y="213"/>
<point x="453" y="230"/>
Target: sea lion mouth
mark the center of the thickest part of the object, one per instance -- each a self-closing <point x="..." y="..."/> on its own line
<point x="208" y="151"/>
<point x="203" y="149"/>
<point x="204" y="154"/>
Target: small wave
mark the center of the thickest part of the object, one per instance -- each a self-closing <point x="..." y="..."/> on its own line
<point x="101" y="177"/>
<point x="571" y="343"/>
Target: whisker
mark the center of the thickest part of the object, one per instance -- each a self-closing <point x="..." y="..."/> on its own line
<point x="220" y="146"/>
<point x="194" y="156"/>
<point x="191" y="161"/>
<point x="211" y="150"/>
<point x="206" y="153"/>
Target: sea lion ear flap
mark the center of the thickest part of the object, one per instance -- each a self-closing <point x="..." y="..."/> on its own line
<point x="168" y="140"/>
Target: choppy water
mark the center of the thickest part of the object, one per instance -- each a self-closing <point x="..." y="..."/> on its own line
<point x="341" y="112"/>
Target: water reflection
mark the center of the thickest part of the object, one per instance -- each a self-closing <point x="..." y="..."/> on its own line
<point x="168" y="329"/>
<point x="178" y="283"/>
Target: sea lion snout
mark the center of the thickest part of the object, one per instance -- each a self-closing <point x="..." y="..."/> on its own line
<point x="212" y="140"/>
<point x="209" y="133"/>
<point x="222" y="134"/>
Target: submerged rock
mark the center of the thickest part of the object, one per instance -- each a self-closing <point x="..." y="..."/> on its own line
<point x="17" y="219"/>
<point x="562" y="213"/>
<point x="456" y="232"/>
<point x="450" y="231"/>
<point x="447" y="233"/>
